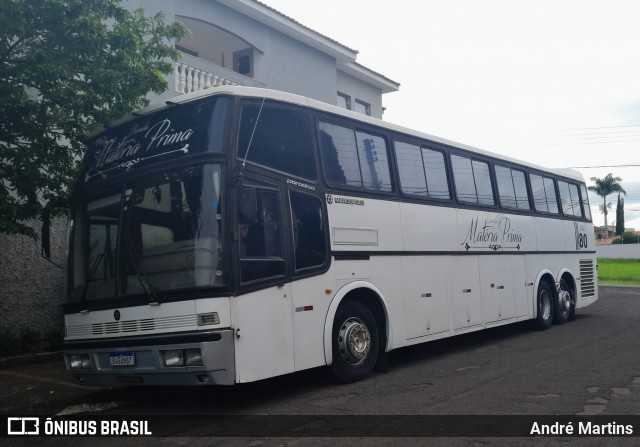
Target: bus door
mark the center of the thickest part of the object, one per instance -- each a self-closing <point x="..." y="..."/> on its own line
<point x="262" y="309"/>
<point x="311" y="289"/>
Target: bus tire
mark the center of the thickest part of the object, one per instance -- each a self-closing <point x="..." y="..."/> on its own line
<point x="565" y="304"/>
<point x="545" y="306"/>
<point x="355" y="342"/>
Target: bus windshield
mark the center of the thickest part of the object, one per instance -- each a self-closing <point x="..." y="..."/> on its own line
<point x="153" y="235"/>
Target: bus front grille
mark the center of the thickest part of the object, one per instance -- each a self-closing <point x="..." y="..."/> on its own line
<point x="133" y="327"/>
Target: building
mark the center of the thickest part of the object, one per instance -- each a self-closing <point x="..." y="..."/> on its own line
<point x="246" y="42"/>
<point x="243" y="42"/>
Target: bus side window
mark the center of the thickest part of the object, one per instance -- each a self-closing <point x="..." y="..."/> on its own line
<point x="544" y="194"/>
<point x="512" y="188"/>
<point x="261" y="252"/>
<point x="473" y="181"/>
<point x="565" y="200"/>
<point x="340" y="155"/>
<point x="309" y="235"/>
<point x="354" y="158"/>
<point x="277" y="138"/>
<point x="570" y="199"/>
<point x="585" y="201"/>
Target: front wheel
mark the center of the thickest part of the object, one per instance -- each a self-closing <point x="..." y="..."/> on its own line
<point x="355" y="342"/>
<point x="545" y="306"/>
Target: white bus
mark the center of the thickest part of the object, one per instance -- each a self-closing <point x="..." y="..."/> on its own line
<point x="237" y="234"/>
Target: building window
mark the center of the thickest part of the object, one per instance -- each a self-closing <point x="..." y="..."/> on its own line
<point x="187" y="50"/>
<point x="344" y="101"/>
<point x="362" y="107"/>
<point x="243" y="62"/>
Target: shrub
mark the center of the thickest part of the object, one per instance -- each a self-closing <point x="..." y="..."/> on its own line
<point x="627" y="238"/>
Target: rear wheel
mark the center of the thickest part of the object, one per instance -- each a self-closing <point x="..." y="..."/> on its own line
<point x="565" y="304"/>
<point x="545" y="306"/>
<point x="355" y="342"/>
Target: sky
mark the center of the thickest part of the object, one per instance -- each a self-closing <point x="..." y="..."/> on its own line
<point x="556" y="83"/>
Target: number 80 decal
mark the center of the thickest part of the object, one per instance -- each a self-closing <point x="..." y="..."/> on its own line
<point x="581" y="238"/>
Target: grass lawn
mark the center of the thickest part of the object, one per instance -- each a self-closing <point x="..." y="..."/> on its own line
<point x="619" y="271"/>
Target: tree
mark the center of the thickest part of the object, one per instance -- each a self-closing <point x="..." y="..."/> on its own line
<point x="604" y="187"/>
<point x="620" y="215"/>
<point x="67" y="66"/>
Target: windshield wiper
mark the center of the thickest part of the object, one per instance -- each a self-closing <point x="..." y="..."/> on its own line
<point x="152" y="292"/>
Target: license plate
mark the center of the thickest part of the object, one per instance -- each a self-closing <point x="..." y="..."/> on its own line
<point x="122" y="359"/>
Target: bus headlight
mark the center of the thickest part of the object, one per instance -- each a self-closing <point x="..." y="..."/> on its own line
<point x="182" y="357"/>
<point x="173" y="358"/>
<point x="193" y="357"/>
<point x="79" y="361"/>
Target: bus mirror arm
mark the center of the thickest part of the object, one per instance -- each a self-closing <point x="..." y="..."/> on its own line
<point x="46" y="228"/>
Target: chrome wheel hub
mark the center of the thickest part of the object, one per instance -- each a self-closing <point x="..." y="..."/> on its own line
<point x="565" y="299"/>
<point x="545" y="305"/>
<point x="354" y="341"/>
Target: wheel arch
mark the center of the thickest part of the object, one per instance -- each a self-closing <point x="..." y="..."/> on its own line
<point x="570" y="278"/>
<point x="370" y="296"/>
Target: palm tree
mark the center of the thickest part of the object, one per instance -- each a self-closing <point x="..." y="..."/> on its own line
<point x="603" y="187"/>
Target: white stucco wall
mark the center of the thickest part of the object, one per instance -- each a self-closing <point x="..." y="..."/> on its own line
<point x="280" y="62"/>
<point x="357" y="89"/>
<point x="618" y="251"/>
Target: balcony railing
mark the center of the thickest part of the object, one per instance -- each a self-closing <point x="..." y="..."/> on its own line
<point x="193" y="74"/>
<point x="189" y="79"/>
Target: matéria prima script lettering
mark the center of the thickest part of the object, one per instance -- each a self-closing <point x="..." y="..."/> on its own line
<point x="493" y="233"/>
<point x="141" y="142"/>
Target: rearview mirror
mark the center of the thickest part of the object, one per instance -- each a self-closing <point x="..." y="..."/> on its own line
<point x="46" y="224"/>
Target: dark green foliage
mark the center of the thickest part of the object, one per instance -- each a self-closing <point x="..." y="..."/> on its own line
<point x="620" y="216"/>
<point x="627" y="238"/>
<point x="603" y="187"/>
<point x="28" y="340"/>
<point x="67" y="66"/>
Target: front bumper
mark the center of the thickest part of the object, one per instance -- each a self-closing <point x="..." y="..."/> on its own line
<point x="149" y="369"/>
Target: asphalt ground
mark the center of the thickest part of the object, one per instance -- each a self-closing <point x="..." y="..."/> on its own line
<point x="499" y="371"/>
<point x="40" y="384"/>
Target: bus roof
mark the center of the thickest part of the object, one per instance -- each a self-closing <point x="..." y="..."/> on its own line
<point x="262" y="93"/>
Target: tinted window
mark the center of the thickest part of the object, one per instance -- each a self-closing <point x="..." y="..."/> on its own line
<point x="512" y="188"/>
<point x="259" y="235"/>
<point x="354" y="158"/>
<point x="422" y="171"/>
<point x="340" y="155"/>
<point x="473" y="181"/>
<point x="552" y="199"/>
<point x="374" y="162"/>
<point x="463" y="176"/>
<point x="575" y="199"/>
<point x="585" y="202"/>
<point x="412" y="178"/>
<point x="309" y="233"/>
<point x="281" y="140"/>
<point x="544" y="194"/>
<point x="565" y="199"/>
<point x="436" y="173"/>
<point x="570" y="199"/>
